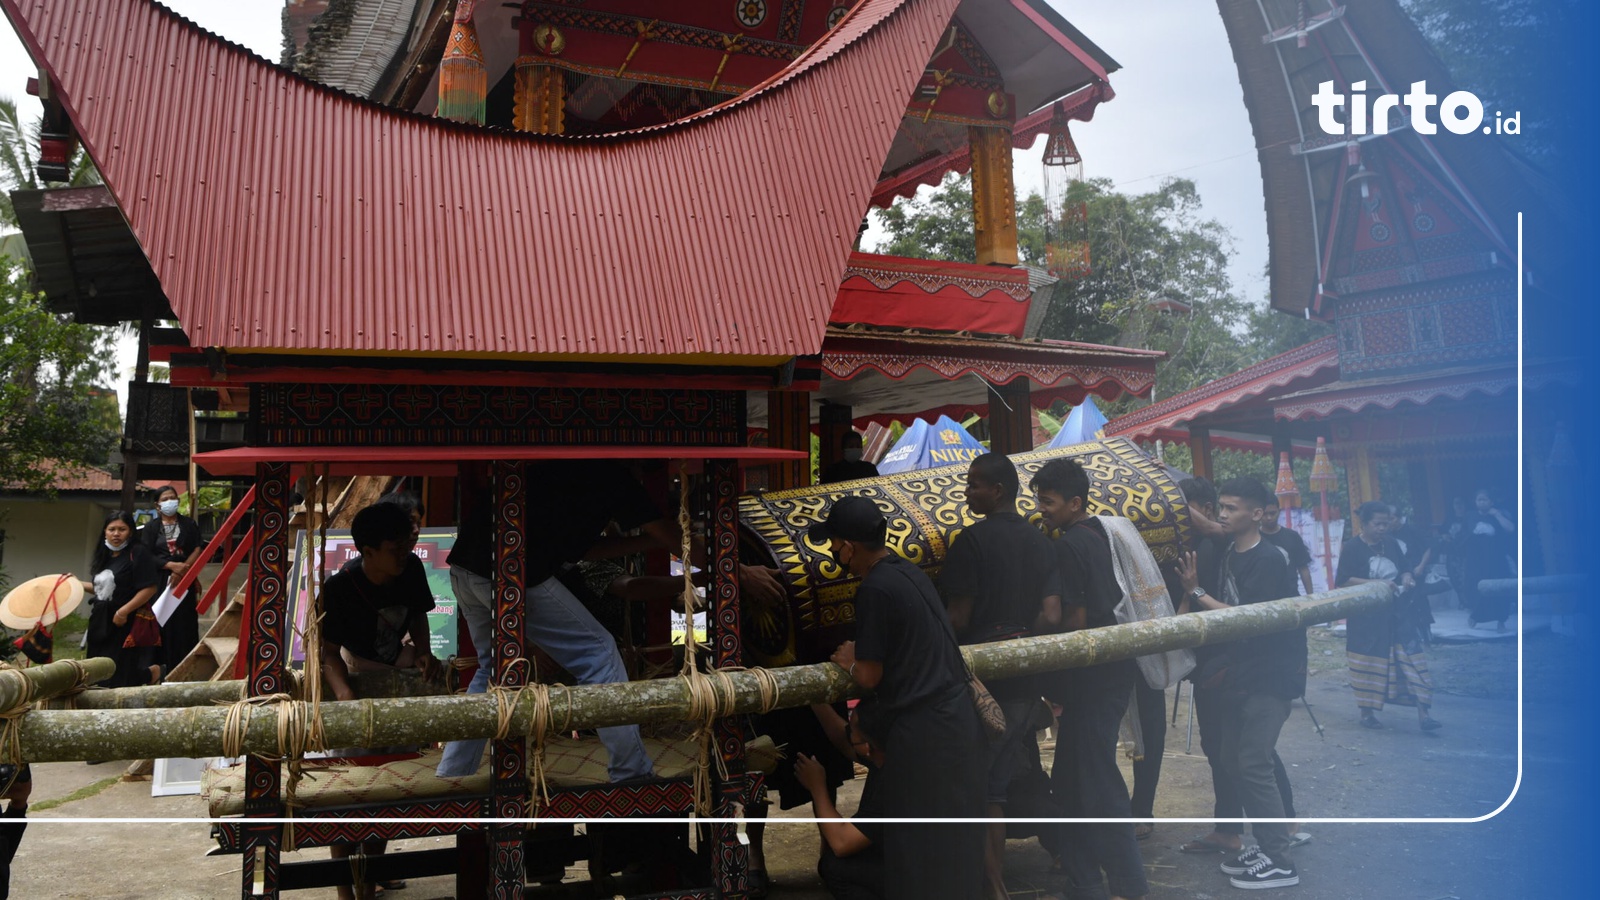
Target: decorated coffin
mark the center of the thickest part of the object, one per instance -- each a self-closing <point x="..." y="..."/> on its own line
<point x="926" y="509"/>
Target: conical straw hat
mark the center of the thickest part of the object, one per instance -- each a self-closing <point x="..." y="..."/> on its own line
<point x="26" y="602"/>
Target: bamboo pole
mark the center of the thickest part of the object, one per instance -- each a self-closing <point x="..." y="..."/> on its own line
<point x="51" y="680"/>
<point x="55" y="735"/>
<point x="179" y="694"/>
<point x="1535" y="584"/>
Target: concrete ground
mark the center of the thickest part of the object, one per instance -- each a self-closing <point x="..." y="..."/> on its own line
<point x="1468" y="771"/>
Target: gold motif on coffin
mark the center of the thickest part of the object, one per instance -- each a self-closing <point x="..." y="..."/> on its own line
<point x="925" y="509"/>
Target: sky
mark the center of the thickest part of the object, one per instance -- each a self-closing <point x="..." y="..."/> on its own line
<point x="1178" y="110"/>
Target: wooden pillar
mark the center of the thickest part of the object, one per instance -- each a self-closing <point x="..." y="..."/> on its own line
<point x="1439" y="503"/>
<point x="994" y="196"/>
<point x="269" y="627"/>
<point x="1011" y="417"/>
<point x="834" y="421"/>
<point x="789" y="428"/>
<point x="1421" y="496"/>
<point x="1200" y="451"/>
<point x="1281" y="443"/>
<point x="731" y="863"/>
<point x="1362" y="482"/>
<point x="508" y="786"/>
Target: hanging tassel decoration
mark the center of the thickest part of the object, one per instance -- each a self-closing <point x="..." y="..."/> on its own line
<point x="1059" y="150"/>
<point x="463" y="80"/>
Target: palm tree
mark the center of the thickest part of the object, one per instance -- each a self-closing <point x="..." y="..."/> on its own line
<point x="19" y="144"/>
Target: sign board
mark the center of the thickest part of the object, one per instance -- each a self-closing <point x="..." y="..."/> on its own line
<point x="433" y="545"/>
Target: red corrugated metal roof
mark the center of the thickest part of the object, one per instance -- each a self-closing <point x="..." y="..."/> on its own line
<point x="279" y="214"/>
<point x="1305" y="366"/>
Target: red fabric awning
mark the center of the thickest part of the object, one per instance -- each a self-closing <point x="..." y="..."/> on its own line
<point x="996" y="360"/>
<point x="442" y="460"/>
<point x="932" y="295"/>
<point x="1307" y="366"/>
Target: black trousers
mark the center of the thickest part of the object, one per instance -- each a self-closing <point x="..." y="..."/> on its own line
<point x="1250" y="725"/>
<point x="858" y="877"/>
<point x="12" y="825"/>
<point x="1211" y="714"/>
<point x="1088" y="784"/>
<point x="1153" y="728"/>
<point x="934" y="768"/>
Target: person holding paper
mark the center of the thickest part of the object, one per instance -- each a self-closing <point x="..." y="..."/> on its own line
<point x="174" y="541"/>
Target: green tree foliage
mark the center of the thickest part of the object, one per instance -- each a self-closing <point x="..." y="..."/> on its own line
<point x="933" y="225"/>
<point x="1158" y="275"/>
<point x="1515" y="55"/>
<point x="51" y="410"/>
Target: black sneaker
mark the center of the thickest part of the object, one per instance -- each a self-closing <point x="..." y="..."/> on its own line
<point x="1264" y="873"/>
<point x="1241" y="863"/>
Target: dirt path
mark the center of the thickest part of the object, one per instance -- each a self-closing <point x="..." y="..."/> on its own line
<point x="1466" y="772"/>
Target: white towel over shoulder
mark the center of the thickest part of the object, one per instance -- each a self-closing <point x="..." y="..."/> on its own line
<point x="1144" y="597"/>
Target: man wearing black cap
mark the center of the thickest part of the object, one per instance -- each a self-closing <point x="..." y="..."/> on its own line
<point x="905" y="651"/>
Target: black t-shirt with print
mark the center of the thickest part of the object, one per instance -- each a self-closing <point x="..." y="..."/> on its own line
<point x="1273" y="664"/>
<point x="901" y="624"/>
<point x="370" y="619"/>
<point x="1292" y="544"/>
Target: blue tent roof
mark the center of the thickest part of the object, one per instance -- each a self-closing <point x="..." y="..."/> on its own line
<point x="1080" y="426"/>
<point x="924" y="446"/>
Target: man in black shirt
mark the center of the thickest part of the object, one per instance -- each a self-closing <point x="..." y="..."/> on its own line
<point x="569" y="505"/>
<point x="1290" y="540"/>
<point x="850" y="466"/>
<point x="1085" y="778"/>
<point x="376" y="601"/>
<point x="997" y="583"/>
<point x="851" y="864"/>
<point x="370" y="606"/>
<point x="905" y="651"/>
<point x="1252" y="682"/>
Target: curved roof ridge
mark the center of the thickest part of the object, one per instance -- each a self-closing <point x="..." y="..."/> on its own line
<point x="286" y="215"/>
<point x="862" y="18"/>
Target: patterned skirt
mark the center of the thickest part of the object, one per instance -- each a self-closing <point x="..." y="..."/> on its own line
<point x="1386" y="666"/>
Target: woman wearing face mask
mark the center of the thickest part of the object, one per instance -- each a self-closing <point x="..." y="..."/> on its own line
<point x="127" y="577"/>
<point x="174" y="541"/>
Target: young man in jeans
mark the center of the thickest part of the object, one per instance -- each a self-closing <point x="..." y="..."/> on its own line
<point x="1252" y="681"/>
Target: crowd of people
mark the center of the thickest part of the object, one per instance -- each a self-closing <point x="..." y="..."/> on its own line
<point x="918" y="732"/>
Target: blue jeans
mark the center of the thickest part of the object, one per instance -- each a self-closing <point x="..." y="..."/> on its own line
<point x="561" y="626"/>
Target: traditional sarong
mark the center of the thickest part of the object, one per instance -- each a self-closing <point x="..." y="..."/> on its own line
<point x="1384" y="649"/>
<point x="1383" y="669"/>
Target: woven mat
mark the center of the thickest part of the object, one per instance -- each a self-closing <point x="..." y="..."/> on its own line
<point x="569" y="763"/>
